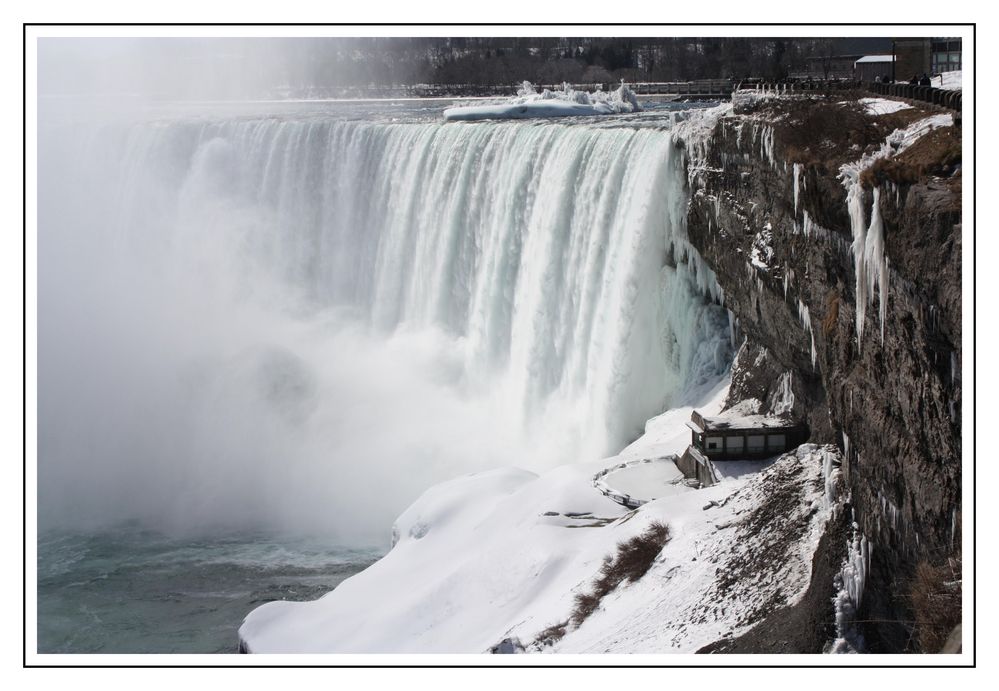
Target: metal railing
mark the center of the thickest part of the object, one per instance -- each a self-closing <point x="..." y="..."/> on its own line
<point x="701" y="88"/>
<point x="944" y="98"/>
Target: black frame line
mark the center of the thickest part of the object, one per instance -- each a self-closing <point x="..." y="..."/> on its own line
<point x="24" y="380"/>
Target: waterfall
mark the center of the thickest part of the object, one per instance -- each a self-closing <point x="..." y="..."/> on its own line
<point x="239" y="295"/>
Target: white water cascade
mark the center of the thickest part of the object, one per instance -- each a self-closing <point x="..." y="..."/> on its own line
<point x="303" y="321"/>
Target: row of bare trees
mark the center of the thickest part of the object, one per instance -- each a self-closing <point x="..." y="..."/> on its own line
<point x="505" y="60"/>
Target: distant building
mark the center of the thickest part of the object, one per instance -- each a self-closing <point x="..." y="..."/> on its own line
<point x="918" y="56"/>
<point x="831" y="66"/>
<point x="871" y="67"/>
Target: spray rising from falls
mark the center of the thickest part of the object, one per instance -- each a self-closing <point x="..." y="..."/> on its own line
<point x="304" y="321"/>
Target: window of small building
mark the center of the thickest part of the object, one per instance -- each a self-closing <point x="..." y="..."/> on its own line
<point x="776" y="442"/>
<point x="755" y="443"/>
<point x="713" y="444"/>
<point x="946" y="61"/>
<point x="946" y="57"/>
<point x="943" y="46"/>
<point x="734" y="444"/>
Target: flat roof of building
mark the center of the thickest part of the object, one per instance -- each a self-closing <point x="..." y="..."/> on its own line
<point x="876" y="58"/>
<point x="819" y="58"/>
<point x="740" y="418"/>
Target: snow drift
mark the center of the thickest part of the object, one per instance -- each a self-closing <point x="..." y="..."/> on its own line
<point x="500" y="556"/>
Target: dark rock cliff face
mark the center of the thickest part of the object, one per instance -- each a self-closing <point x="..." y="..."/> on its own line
<point x="893" y="404"/>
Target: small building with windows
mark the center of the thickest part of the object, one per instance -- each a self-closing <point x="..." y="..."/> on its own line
<point x="734" y="436"/>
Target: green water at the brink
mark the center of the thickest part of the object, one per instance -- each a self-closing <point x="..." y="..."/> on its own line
<point x="135" y="591"/>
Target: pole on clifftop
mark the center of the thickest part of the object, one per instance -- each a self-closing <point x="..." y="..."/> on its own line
<point x="893" y="62"/>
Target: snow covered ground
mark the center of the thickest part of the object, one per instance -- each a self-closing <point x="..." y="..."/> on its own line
<point x="739" y="550"/>
<point x="948" y="80"/>
<point x="883" y="106"/>
<point x="500" y="555"/>
<point x="637" y="482"/>
<point x="564" y="102"/>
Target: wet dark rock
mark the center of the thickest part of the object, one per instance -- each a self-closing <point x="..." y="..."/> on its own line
<point x="508" y="646"/>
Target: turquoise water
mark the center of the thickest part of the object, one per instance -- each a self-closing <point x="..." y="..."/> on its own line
<point x="135" y="591"/>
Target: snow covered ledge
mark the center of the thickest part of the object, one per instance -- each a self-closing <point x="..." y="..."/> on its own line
<point x="500" y="556"/>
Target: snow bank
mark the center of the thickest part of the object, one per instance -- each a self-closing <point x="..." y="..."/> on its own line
<point x="948" y="80"/>
<point x="566" y="102"/>
<point x="883" y="106"/>
<point x="477" y="560"/>
<point x="732" y="559"/>
<point x="499" y="556"/>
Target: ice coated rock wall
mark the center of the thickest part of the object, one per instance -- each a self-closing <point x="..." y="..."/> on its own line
<point x="883" y="384"/>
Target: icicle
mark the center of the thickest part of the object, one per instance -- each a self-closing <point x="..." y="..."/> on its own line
<point x="830" y="475"/>
<point x="784" y="400"/>
<point x="797" y="178"/>
<point x="850" y="582"/>
<point x="875" y="260"/>
<point x="870" y="265"/>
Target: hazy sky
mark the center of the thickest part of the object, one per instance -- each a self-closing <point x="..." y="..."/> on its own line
<point x="220" y="67"/>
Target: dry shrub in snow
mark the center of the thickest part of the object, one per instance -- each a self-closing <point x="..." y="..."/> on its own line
<point x="633" y="559"/>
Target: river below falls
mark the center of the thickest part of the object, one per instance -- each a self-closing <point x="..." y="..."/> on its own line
<point x="134" y="591"/>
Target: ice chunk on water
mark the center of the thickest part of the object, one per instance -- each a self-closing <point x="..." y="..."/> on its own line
<point x="564" y="102"/>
